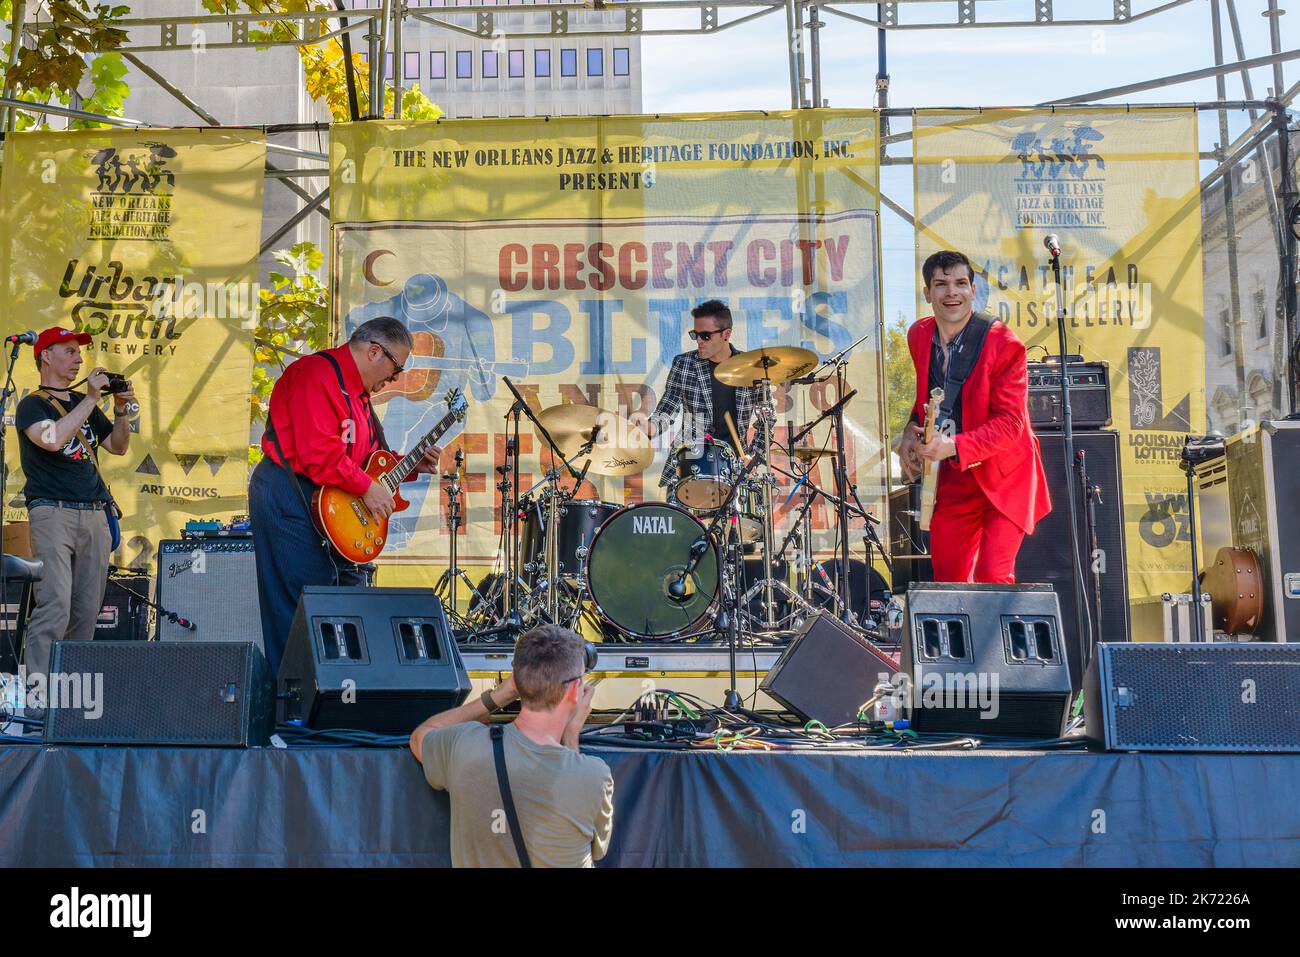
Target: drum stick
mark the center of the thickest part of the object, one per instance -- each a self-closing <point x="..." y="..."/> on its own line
<point x="735" y="436"/>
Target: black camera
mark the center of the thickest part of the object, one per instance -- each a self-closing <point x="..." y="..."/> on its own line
<point x="589" y="657"/>
<point x="116" y="383"/>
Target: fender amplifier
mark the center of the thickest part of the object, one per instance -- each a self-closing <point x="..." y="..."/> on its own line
<point x="1089" y="395"/>
<point x="213" y="583"/>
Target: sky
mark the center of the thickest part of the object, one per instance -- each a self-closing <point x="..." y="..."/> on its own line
<point x="745" y="68"/>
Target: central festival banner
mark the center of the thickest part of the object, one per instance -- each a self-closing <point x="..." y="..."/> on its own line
<point x="567" y="254"/>
<point x="1121" y="188"/>
<point x="147" y="240"/>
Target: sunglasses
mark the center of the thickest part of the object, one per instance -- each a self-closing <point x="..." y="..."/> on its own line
<point x="398" y="368"/>
<point x="705" y="336"/>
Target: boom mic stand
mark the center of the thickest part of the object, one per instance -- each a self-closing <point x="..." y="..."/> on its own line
<point x="5" y="395"/>
<point x="1082" y="618"/>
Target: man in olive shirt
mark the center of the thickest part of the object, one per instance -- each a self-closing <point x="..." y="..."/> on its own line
<point x="564" y="799"/>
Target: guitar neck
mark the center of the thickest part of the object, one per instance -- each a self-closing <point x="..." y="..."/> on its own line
<point x="412" y="458"/>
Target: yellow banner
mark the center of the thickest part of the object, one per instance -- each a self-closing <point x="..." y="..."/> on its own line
<point x="1122" y="191"/>
<point x="568" y="253"/>
<point x="147" y="240"/>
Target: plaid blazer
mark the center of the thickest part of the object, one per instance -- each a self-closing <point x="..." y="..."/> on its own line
<point x="690" y="390"/>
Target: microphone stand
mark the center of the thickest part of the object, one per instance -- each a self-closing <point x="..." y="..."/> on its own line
<point x="5" y="395"/>
<point x="1082" y="619"/>
<point x="171" y="616"/>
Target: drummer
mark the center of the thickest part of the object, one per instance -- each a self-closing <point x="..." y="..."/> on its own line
<point x="693" y="388"/>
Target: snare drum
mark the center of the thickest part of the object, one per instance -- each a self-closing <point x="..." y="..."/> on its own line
<point x="635" y="558"/>
<point x="578" y="522"/>
<point x="705" y="473"/>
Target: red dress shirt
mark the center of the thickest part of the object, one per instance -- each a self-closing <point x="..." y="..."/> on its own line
<point x="310" y="415"/>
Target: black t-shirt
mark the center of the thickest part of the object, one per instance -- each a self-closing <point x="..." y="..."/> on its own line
<point x="724" y="400"/>
<point x="67" y="475"/>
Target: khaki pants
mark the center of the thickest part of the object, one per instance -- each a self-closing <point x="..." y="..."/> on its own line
<point x="74" y="544"/>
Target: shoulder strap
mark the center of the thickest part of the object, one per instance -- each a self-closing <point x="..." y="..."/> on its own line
<point x="960" y="369"/>
<point x="375" y="424"/>
<point x="503" y="782"/>
<point x="94" y="459"/>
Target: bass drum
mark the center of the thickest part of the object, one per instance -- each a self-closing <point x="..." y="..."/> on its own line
<point x="637" y="554"/>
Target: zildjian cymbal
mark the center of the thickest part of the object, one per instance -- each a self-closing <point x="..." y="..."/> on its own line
<point x="621" y="448"/>
<point x="776" y="364"/>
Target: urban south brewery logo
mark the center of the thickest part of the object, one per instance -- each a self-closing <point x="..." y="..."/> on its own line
<point x="1061" y="182"/>
<point x="132" y="199"/>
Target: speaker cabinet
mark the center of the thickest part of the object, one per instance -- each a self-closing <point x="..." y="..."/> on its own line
<point x="370" y="659"/>
<point x="213" y="694"/>
<point x="1194" y="697"/>
<point x="826" y="672"/>
<point x="986" y="659"/>
<point x="1045" y="555"/>
<point x="213" y="583"/>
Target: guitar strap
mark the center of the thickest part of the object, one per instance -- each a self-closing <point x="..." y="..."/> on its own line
<point x="114" y="511"/>
<point x="961" y="366"/>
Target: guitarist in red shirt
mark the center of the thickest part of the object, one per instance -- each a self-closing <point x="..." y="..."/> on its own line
<point x="992" y="489"/>
<point x="320" y="429"/>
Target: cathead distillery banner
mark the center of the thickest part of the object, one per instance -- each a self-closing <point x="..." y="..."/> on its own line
<point x="568" y="253"/>
<point x="148" y="241"/>
<point x="1122" y="191"/>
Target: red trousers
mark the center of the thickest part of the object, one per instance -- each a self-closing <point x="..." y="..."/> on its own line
<point x="970" y="540"/>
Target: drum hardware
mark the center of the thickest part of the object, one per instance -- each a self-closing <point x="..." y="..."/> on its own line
<point x="837" y="366"/>
<point x="763" y="368"/>
<point x="446" y="586"/>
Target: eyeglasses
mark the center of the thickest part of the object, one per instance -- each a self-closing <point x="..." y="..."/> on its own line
<point x="705" y="336"/>
<point x="398" y="368"/>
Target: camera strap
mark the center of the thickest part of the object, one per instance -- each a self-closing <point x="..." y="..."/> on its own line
<point x="507" y="799"/>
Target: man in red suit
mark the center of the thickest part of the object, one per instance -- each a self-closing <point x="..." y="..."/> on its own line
<point x="992" y="489"/>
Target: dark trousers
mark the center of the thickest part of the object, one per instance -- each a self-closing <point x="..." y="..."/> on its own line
<point x="290" y="552"/>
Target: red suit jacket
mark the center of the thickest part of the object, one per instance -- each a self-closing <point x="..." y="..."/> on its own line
<point x="996" y="442"/>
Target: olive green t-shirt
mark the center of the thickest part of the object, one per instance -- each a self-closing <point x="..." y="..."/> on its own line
<point x="565" y="800"/>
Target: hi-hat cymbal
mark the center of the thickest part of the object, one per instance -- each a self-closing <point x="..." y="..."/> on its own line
<point x="776" y="364"/>
<point x="621" y="448"/>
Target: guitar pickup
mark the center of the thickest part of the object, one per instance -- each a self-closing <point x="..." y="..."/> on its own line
<point x="360" y="512"/>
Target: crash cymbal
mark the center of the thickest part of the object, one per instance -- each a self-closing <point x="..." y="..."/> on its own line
<point x="621" y="448"/>
<point x="811" y="455"/>
<point x="776" y="364"/>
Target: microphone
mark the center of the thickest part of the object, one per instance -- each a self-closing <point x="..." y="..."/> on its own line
<point x="1052" y="243"/>
<point x="28" y="338"/>
<point x="184" y="622"/>
<point x="677" y="587"/>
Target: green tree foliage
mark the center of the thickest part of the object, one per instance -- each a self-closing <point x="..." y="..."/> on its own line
<point x="900" y="379"/>
<point x="74" y="45"/>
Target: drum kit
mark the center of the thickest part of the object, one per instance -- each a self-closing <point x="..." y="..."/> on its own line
<point x="660" y="571"/>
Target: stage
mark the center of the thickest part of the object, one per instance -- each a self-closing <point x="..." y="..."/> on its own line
<point x="128" y="807"/>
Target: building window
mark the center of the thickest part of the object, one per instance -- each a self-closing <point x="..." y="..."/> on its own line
<point x="568" y="63"/>
<point x="388" y="66"/>
<point x="438" y="65"/>
<point x="489" y="64"/>
<point x="621" y="66"/>
<point x="1261" y="313"/>
<point x="542" y="62"/>
<point x="595" y="62"/>
<point x="464" y="64"/>
<point x="516" y="64"/>
<point x="1225" y="327"/>
<point x="411" y="68"/>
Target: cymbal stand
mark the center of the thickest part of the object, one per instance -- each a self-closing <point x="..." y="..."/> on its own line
<point x="769" y="585"/>
<point x="454" y="572"/>
<point x="553" y="495"/>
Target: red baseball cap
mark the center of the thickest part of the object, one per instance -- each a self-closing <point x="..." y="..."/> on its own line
<point x="56" y="334"/>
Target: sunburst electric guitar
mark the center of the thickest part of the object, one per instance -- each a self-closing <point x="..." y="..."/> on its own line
<point x="930" y="470"/>
<point x="357" y="533"/>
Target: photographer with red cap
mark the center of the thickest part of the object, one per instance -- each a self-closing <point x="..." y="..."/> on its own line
<point x="59" y="432"/>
